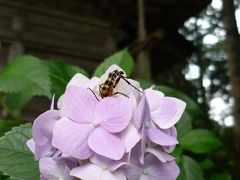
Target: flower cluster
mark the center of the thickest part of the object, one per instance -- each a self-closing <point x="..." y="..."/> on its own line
<point x="113" y="138"/>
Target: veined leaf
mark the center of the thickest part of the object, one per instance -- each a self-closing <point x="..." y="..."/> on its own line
<point x="200" y="141"/>
<point x="190" y="169"/>
<point x="60" y="75"/>
<point x="16" y="160"/>
<point x="122" y="58"/>
<point x="26" y="74"/>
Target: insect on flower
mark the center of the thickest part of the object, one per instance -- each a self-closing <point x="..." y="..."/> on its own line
<point x="107" y="88"/>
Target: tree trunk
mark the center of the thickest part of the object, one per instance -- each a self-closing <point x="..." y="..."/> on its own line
<point x="233" y="48"/>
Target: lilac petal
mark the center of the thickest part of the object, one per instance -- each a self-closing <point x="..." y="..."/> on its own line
<point x="142" y="113"/>
<point x="159" y="137"/>
<point x="79" y="104"/>
<point x="168" y="113"/>
<point x="78" y="80"/>
<point x="162" y="156"/>
<point x="114" y="113"/>
<point x="110" y="164"/>
<point x="143" y="143"/>
<point x="117" y="175"/>
<point x="31" y="145"/>
<point x="93" y="83"/>
<point x="172" y="132"/>
<point x="163" y="171"/>
<point x="43" y="127"/>
<point x="144" y="177"/>
<point x="133" y="172"/>
<point x="43" y="150"/>
<point x="106" y="144"/>
<point x="87" y="172"/>
<point x="54" y="170"/>
<point x="130" y="136"/>
<point x="153" y="98"/>
<point x="71" y="138"/>
<point x="52" y="103"/>
<point x="60" y="102"/>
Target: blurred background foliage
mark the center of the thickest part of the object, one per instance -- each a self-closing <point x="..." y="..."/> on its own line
<point x="206" y="137"/>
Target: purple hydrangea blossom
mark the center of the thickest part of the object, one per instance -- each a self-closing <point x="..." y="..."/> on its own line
<point x="111" y="138"/>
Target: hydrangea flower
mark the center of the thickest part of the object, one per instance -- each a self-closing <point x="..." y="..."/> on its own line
<point x="117" y="137"/>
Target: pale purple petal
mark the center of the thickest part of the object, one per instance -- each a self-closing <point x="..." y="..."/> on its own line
<point x="163" y="171"/>
<point x="110" y="164"/>
<point x="43" y="127"/>
<point x="71" y="138"/>
<point x="162" y="156"/>
<point x="117" y="175"/>
<point x="93" y="83"/>
<point x="60" y="102"/>
<point x="114" y="113"/>
<point x="169" y="112"/>
<point x="53" y="169"/>
<point x="87" y="171"/>
<point x="79" y="104"/>
<point x="78" y="80"/>
<point x="159" y="137"/>
<point x="106" y="144"/>
<point x="52" y="103"/>
<point x="133" y="172"/>
<point x="153" y="98"/>
<point x="42" y="150"/>
<point x="172" y="132"/>
<point x="143" y="142"/>
<point x="31" y="145"/>
<point x="142" y="113"/>
<point x="130" y="136"/>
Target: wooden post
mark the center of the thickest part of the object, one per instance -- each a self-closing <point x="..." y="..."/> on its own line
<point x="233" y="48"/>
<point x="143" y="61"/>
<point x="16" y="47"/>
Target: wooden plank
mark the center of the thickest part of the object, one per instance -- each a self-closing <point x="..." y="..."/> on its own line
<point x="50" y="12"/>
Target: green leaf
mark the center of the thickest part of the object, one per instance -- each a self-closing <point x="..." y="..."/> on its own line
<point x="207" y="164"/>
<point x="61" y="74"/>
<point x="145" y="83"/>
<point x="3" y="177"/>
<point x="121" y="58"/>
<point x="177" y="153"/>
<point x="184" y="125"/>
<point x="192" y="107"/>
<point x="6" y="125"/>
<point x="200" y="141"/>
<point x="190" y="169"/>
<point x="26" y="74"/>
<point x="16" y="160"/>
<point x="221" y="176"/>
<point x="16" y="100"/>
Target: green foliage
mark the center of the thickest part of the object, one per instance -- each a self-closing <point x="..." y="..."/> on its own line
<point x="184" y="125"/>
<point x="121" y="58"/>
<point x="200" y="141"/>
<point x="207" y="164"/>
<point x="60" y="74"/>
<point x="221" y="176"/>
<point x="26" y="74"/>
<point x="16" y="160"/>
<point x="6" y="125"/>
<point x="17" y="100"/>
<point x="190" y="169"/>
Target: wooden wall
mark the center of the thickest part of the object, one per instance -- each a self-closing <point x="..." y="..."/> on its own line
<point x="33" y="30"/>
